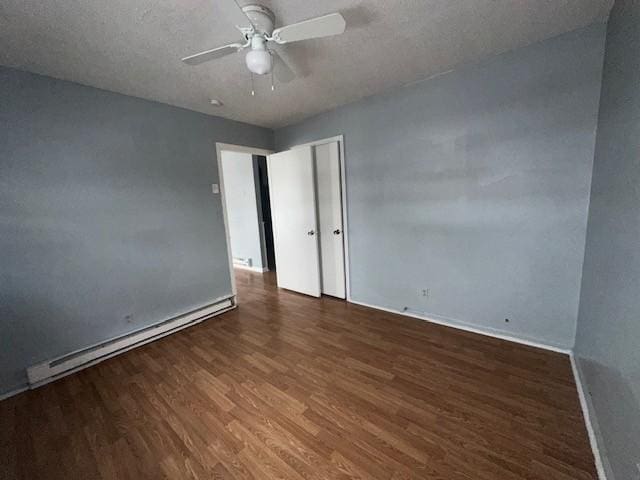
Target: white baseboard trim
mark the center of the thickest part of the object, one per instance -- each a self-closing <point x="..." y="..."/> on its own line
<point x="251" y="269"/>
<point x="65" y="365"/>
<point x="589" y="419"/>
<point x="468" y="328"/>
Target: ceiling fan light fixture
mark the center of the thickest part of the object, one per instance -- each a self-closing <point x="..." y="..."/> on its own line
<point x="259" y="61"/>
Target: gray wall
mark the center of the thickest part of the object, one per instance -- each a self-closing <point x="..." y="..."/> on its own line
<point x="608" y="337"/>
<point x="106" y="211"/>
<point x="242" y="206"/>
<point x="475" y="184"/>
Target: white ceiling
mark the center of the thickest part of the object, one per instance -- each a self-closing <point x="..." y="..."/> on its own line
<point x="134" y="47"/>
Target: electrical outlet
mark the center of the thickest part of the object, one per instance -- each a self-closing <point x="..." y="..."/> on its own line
<point x="638" y="467"/>
<point x="424" y="292"/>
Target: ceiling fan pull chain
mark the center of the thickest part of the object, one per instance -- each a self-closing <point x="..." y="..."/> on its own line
<point x="272" y="85"/>
<point x="253" y="91"/>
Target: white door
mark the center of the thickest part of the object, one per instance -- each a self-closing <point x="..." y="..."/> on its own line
<point x="293" y="214"/>
<point x="330" y="219"/>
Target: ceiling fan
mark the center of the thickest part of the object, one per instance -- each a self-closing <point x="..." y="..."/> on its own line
<point x="256" y="24"/>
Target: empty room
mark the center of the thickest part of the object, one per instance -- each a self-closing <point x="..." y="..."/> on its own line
<point x="280" y="239"/>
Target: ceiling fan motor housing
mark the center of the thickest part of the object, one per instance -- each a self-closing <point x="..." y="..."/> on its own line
<point x="262" y="19"/>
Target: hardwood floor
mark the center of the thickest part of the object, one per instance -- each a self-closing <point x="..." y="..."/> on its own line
<point x="289" y="387"/>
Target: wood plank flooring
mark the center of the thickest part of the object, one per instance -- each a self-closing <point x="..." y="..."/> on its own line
<point x="289" y="387"/>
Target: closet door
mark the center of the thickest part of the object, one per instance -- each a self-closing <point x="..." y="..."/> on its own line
<point x="295" y="224"/>
<point x="330" y="219"/>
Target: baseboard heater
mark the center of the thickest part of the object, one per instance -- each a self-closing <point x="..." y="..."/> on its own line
<point x="245" y="262"/>
<point x="50" y="370"/>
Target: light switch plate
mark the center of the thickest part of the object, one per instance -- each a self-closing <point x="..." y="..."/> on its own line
<point x="215" y="188"/>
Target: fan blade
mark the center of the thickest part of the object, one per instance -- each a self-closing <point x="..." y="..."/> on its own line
<point x="233" y="13"/>
<point x="207" y="55"/>
<point x="281" y="69"/>
<point x="332" y="24"/>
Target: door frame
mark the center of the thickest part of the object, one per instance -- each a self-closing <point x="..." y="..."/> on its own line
<point x="229" y="147"/>
<point x="343" y="194"/>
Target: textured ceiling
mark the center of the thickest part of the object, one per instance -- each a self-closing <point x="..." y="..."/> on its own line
<point x="134" y="47"/>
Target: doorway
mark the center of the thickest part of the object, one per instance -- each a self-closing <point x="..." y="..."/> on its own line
<point x="244" y="189"/>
